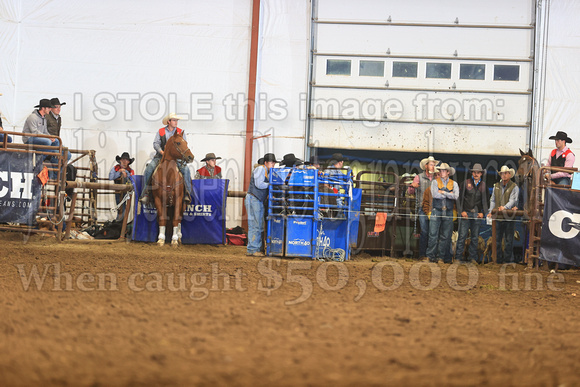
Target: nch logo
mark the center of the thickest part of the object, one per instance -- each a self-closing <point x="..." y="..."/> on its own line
<point x="21" y="184"/>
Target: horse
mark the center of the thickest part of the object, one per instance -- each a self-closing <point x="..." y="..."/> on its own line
<point x="167" y="187"/>
<point x="528" y="168"/>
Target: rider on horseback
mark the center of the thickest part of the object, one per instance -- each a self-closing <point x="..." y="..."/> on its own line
<point x="161" y="137"/>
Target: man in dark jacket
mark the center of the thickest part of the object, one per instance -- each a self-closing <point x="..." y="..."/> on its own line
<point x="471" y="207"/>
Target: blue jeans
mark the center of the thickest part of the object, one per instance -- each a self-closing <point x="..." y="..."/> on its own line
<point x="255" y="211"/>
<point x="48" y="141"/>
<point x="424" y="238"/>
<point x="471" y="223"/>
<point x="151" y="168"/>
<point x="505" y="230"/>
<point x="563" y="181"/>
<point x="2" y="138"/>
<point x="440" y="229"/>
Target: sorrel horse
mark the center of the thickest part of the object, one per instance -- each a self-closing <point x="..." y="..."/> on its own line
<point x="167" y="187"/>
<point x="528" y="168"/>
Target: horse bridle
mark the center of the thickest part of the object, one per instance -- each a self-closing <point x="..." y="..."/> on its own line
<point x="528" y="174"/>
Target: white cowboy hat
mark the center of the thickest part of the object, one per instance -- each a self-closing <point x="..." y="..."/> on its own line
<point x="447" y="167"/>
<point x="505" y="168"/>
<point x="171" y="116"/>
<point x="424" y="162"/>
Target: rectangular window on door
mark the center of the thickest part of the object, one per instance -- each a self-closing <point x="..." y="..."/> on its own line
<point x="337" y="67"/>
<point x="439" y="70"/>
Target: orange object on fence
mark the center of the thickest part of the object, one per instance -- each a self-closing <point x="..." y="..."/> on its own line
<point x="380" y="221"/>
<point x="43" y="176"/>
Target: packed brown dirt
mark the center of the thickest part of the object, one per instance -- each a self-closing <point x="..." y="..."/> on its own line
<point x="123" y="318"/>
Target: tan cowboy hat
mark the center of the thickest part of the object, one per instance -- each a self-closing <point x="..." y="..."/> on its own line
<point x="505" y="168"/>
<point x="424" y="162"/>
<point x="210" y="156"/>
<point x="171" y="116"/>
<point x="447" y="167"/>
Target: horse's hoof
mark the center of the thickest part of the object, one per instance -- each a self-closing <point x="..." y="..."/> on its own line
<point x="174" y="243"/>
<point x="160" y="242"/>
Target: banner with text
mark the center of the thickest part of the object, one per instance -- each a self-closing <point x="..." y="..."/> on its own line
<point x="560" y="240"/>
<point x="20" y="188"/>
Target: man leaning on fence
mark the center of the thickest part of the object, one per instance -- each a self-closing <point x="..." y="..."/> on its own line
<point x="505" y="197"/>
<point x="562" y="156"/>
<point x="471" y="207"/>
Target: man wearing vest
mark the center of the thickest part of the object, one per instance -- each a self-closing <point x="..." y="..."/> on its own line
<point x="505" y="197"/>
<point x="421" y="183"/>
<point x="161" y="137"/>
<point x="444" y="192"/>
<point x="209" y="170"/>
<point x="255" y="199"/>
<point x="53" y="118"/>
<point x="471" y="207"/>
<point x="119" y="174"/>
<point x="562" y="156"/>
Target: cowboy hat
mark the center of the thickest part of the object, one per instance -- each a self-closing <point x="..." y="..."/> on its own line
<point x="505" y="168"/>
<point x="290" y="160"/>
<point x="125" y="156"/>
<point x="477" y="168"/>
<point x="171" y="116"/>
<point x="561" y="136"/>
<point x="56" y="101"/>
<point x="335" y="158"/>
<point x="426" y="160"/>
<point x="446" y="167"/>
<point x="210" y="156"/>
<point x="270" y="157"/>
<point x="44" y="103"/>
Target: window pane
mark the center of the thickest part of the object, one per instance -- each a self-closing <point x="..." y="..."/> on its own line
<point x="337" y="67"/>
<point x="506" y="73"/>
<point x="372" y="68"/>
<point x="439" y="70"/>
<point x="472" y="71"/>
<point x="405" y="69"/>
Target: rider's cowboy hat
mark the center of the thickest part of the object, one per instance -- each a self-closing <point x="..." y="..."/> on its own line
<point x="56" y="101"/>
<point x="446" y="167"/>
<point x="425" y="161"/>
<point x="270" y="157"/>
<point x="171" y="116"/>
<point x="477" y="168"/>
<point x="210" y="156"/>
<point x="561" y="136"/>
<point x="290" y="160"/>
<point x="505" y="168"/>
<point x="125" y="156"/>
<point x="44" y="103"/>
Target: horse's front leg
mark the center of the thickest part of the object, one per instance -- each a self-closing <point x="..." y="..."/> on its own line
<point x="161" y="219"/>
<point x="178" y="213"/>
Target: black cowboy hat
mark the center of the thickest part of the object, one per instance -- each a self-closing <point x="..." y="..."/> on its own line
<point x="335" y="158"/>
<point x="210" y="156"/>
<point x="126" y="156"/>
<point x="561" y="136"/>
<point x="313" y="160"/>
<point x="56" y="101"/>
<point x="270" y="157"/>
<point x="290" y="160"/>
<point x="44" y="103"/>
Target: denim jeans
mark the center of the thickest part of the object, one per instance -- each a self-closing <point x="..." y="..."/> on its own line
<point x="9" y="139"/>
<point x="183" y="168"/>
<point x="471" y="223"/>
<point x="424" y="237"/>
<point x="563" y="181"/>
<point x="255" y="211"/>
<point x="505" y="229"/>
<point x="48" y="141"/>
<point x="440" y="229"/>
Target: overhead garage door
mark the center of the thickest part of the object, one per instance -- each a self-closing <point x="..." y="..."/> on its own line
<point x="448" y="77"/>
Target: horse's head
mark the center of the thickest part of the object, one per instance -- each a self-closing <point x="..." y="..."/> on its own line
<point x="526" y="165"/>
<point x="177" y="149"/>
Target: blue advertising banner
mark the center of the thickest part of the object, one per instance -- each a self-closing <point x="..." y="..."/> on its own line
<point x="204" y="220"/>
<point x="560" y="240"/>
<point x="20" y="188"/>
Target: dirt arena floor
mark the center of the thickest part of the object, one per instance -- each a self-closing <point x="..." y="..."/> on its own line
<point x="94" y="313"/>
